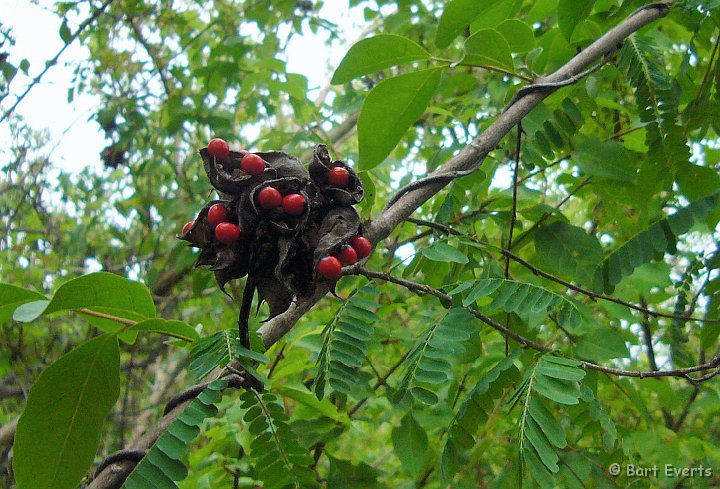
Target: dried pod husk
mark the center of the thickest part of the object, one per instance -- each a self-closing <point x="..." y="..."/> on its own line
<point x="263" y="266"/>
<point x="226" y="176"/>
<point x="319" y="168"/>
<point x="338" y="227"/>
<point x="236" y="266"/>
<point x="284" y="165"/>
<point x="281" y="221"/>
<point x="295" y="266"/>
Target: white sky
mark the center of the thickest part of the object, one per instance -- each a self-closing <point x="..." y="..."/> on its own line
<point x="77" y="137"/>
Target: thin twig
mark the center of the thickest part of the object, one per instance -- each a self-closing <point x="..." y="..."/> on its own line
<point x="426" y="289"/>
<point x="54" y="60"/>
<point x="581" y="290"/>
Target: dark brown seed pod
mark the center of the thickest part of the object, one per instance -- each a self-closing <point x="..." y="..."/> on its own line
<point x="352" y="194"/>
<point x="339" y="225"/>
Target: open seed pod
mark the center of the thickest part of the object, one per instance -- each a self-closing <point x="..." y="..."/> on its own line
<point x="352" y="194"/>
<point x="337" y="228"/>
<point x="282" y="222"/>
<point x="201" y="233"/>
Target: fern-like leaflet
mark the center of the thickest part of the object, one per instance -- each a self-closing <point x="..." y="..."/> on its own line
<point x="218" y="349"/>
<point x="554" y="378"/>
<point x="521" y="298"/>
<point x="163" y="464"/>
<point x="427" y="366"/>
<point x="345" y="341"/>
<point x="280" y="461"/>
<point x="641" y="61"/>
<point x="475" y="410"/>
<point x="651" y="243"/>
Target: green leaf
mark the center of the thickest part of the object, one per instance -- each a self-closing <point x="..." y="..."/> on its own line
<point x="163" y="464"/>
<point x="375" y="54"/>
<point x="11" y="297"/>
<point x="427" y="366"/>
<point x="518" y="34"/>
<point x="64" y="415"/>
<point x="488" y="47"/>
<point x="605" y="159"/>
<point x="443" y="252"/>
<point x="411" y="444"/>
<point x="571" y="13"/>
<point x="305" y="397"/>
<point x="651" y="243"/>
<point x="569" y="251"/>
<point x="30" y="311"/>
<point x="65" y="33"/>
<point x="458" y="14"/>
<point x="390" y="108"/>
<point x="604" y="343"/>
<point x="176" y="329"/>
<point x="345" y="340"/>
<point x="345" y="475"/>
<point x="101" y="292"/>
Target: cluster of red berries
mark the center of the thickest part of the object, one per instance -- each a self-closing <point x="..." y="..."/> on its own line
<point x="251" y="164"/>
<point x="274" y="195"/>
<point x="218" y="217"/>
<point x="331" y="266"/>
<point x="271" y="198"/>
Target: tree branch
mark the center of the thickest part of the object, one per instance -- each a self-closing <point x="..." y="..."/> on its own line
<point x="714" y="364"/>
<point x="471" y="156"/>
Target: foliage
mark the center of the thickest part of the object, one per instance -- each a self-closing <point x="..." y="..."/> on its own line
<point x="404" y="384"/>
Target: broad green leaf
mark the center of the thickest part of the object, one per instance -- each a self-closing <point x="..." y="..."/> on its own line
<point x="488" y="47"/>
<point x="11" y="297"/>
<point x="389" y="110"/>
<point x="59" y="432"/>
<point x="176" y="329"/>
<point x="569" y="251"/>
<point x="345" y="475"/>
<point x="571" y="13"/>
<point x="605" y="159"/>
<point x="30" y="311"/>
<point x="411" y="444"/>
<point x="604" y="343"/>
<point x="459" y="14"/>
<point x="518" y="34"/>
<point x="375" y="54"/>
<point x="443" y="252"/>
<point x="104" y="292"/>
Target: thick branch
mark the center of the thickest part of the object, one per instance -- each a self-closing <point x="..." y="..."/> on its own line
<point x="473" y="154"/>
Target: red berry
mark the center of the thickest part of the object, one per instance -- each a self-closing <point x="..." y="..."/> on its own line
<point x="347" y="255"/>
<point x="217" y="214"/>
<point x="269" y="198"/>
<point x="252" y="164"/>
<point x="187" y="226"/>
<point x="362" y="246"/>
<point x="219" y="149"/>
<point x="227" y="232"/>
<point x="293" y="204"/>
<point x="330" y="267"/>
<point x="338" y="176"/>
